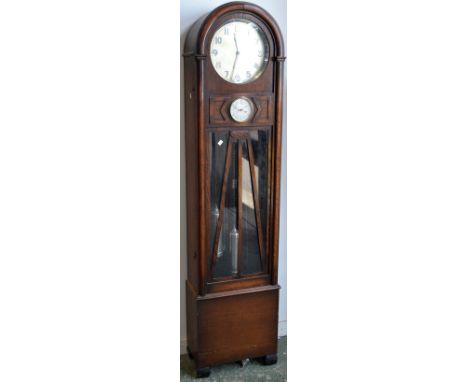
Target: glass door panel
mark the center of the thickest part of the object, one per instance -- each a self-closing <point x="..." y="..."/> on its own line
<point x="250" y="243"/>
<point x="254" y="201"/>
<point x="224" y="233"/>
<point x="238" y="202"/>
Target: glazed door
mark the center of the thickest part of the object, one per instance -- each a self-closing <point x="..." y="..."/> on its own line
<point x="239" y="176"/>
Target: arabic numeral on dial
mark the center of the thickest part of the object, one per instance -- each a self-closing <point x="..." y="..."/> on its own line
<point x="226" y="73"/>
<point x="214" y="52"/>
<point x="260" y="53"/>
<point x="237" y="78"/>
<point x="248" y="74"/>
<point x="218" y="40"/>
<point x="218" y="65"/>
<point x="226" y="31"/>
<point x="256" y="66"/>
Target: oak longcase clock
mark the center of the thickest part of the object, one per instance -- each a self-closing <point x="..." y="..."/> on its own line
<point x="233" y="73"/>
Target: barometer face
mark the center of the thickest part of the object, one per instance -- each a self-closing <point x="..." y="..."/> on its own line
<point x="239" y="51"/>
<point x="241" y="110"/>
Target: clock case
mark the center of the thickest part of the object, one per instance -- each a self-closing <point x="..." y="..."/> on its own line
<point x="231" y="318"/>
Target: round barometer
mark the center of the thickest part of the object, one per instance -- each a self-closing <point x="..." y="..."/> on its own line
<point x="241" y="109"/>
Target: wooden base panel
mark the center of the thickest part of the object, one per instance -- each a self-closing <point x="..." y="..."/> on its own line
<point x="230" y="327"/>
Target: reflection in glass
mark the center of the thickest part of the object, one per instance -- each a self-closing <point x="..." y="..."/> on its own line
<point x="214" y="219"/>
<point x="225" y="257"/>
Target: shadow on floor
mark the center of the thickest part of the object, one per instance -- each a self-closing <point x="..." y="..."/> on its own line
<point x="233" y="372"/>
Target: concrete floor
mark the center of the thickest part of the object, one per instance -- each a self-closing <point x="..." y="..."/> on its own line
<point x="233" y="372"/>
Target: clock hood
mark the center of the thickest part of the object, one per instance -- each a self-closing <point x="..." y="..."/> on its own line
<point x="196" y="43"/>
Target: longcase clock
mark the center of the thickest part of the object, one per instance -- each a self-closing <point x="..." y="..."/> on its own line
<point x="233" y="73"/>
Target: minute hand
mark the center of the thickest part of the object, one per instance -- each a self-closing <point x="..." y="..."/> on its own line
<point x="234" y="66"/>
<point x="237" y="55"/>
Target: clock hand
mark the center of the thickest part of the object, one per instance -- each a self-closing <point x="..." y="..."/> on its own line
<point x="234" y="66"/>
<point x="235" y="42"/>
<point x="237" y="54"/>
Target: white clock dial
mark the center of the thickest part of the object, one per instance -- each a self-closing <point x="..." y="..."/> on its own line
<point x="239" y="51"/>
<point x="241" y="110"/>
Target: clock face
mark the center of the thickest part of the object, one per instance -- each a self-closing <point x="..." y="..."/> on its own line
<point x="239" y="51"/>
<point x="241" y="110"/>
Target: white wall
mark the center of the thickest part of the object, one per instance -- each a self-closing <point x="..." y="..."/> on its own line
<point x="191" y="11"/>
